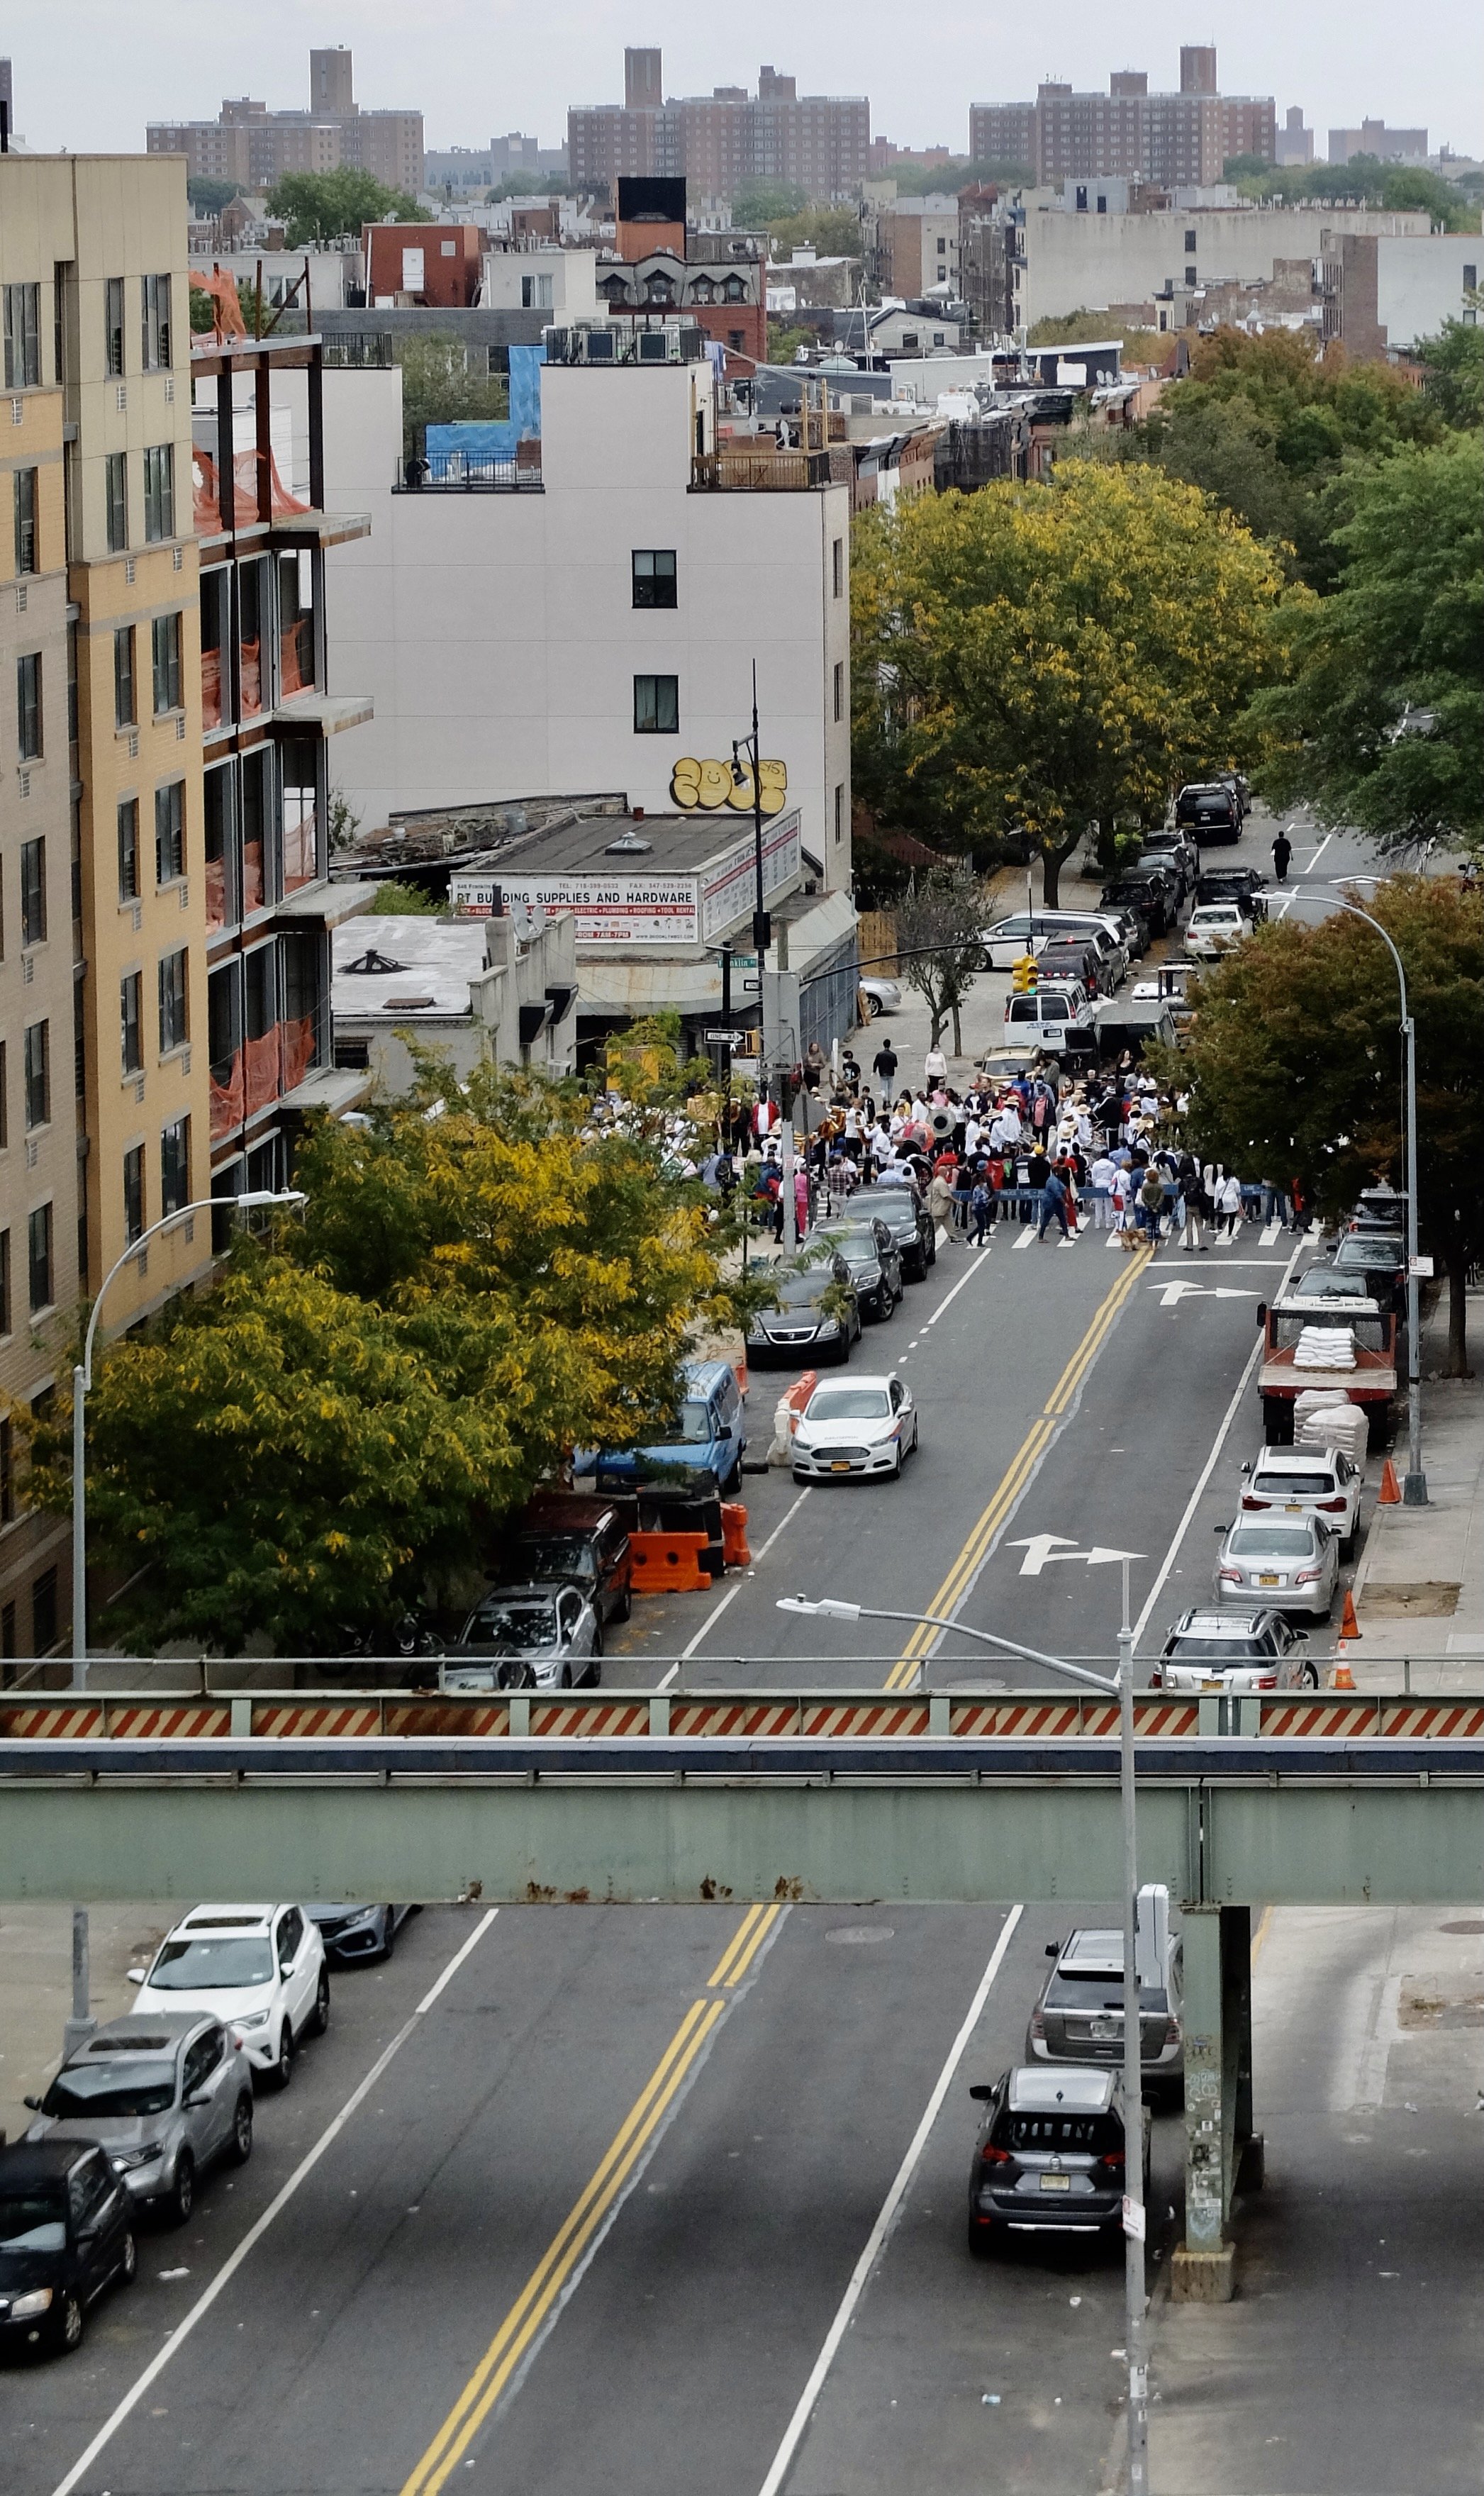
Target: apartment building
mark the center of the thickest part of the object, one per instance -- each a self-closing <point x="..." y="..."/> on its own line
<point x="250" y="145"/>
<point x="720" y="142"/>
<point x="1061" y="264"/>
<point x="1373" y="138"/>
<point x="1384" y="291"/>
<point x="719" y="281"/>
<point x="910" y="247"/>
<point x="1169" y="139"/>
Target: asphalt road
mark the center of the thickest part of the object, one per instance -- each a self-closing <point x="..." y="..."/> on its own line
<point x="657" y="2199"/>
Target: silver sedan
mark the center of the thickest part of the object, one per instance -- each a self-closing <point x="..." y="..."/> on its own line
<point x="1290" y="1563"/>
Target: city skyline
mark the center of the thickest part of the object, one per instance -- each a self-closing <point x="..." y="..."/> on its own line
<point x="464" y="65"/>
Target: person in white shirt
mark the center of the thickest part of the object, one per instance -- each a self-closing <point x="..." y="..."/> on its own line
<point x="935" y="1068"/>
<point x="1100" y="1179"/>
<point x="1229" y="1205"/>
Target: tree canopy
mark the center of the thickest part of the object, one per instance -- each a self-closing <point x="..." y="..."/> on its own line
<point x="939" y="924"/>
<point x="1031" y="659"/>
<point x="1382" y="722"/>
<point x="1293" y="1063"/>
<point x="1453" y="369"/>
<point x="438" y="387"/>
<point x="322" y="208"/>
<point x="1365" y="180"/>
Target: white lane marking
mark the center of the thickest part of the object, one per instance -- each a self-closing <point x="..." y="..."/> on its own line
<point x="948" y="1298"/>
<point x="1209" y="1467"/>
<point x="261" y="2225"/>
<point x="1318" y="854"/>
<point x="1270" y="1232"/>
<point x="1041" y="1550"/>
<point x="711" y="1619"/>
<point x="1027" y="1235"/>
<point x="940" y="1234"/>
<point x="793" y="2432"/>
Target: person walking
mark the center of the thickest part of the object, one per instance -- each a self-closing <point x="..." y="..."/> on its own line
<point x="885" y="1065"/>
<point x="1152" y="1202"/>
<point x="1282" y="850"/>
<point x="1053" y="1206"/>
<point x="982" y="1207"/>
<point x="935" y="1069"/>
<point x="1228" y="1204"/>
<point x="1192" y="1198"/>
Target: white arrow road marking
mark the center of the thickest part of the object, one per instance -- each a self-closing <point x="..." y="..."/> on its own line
<point x="1042" y="1548"/>
<point x="1177" y="1289"/>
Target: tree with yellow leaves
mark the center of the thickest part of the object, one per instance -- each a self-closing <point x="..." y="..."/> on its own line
<point x="1035" y="659"/>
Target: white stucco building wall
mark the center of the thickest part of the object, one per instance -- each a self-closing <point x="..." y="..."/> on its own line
<point x="1074" y="262"/>
<point x="1422" y="281"/>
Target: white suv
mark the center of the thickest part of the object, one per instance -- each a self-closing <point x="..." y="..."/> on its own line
<point x="1303" y="1482"/>
<point x="260" y="1970"/>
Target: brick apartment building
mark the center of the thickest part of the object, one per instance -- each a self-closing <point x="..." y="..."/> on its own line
<point x="718" y="281"/>
<point x="721" y="142"/>
<point x="1181" y="139"/>
<point x="252" y="147"/>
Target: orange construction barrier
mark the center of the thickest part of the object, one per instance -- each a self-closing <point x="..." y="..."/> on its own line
<point x="798" y="1396"/>
<point x="668" y="1564"/>
<point x="734" y="1546"/>
<point x="1349" y="1626"/>
<point x="1341" y="1678"/>
<point x="1390" y="1492"/>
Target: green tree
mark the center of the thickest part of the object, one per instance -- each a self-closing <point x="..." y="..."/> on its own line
<point x="1368" y="184"/>
<point x="325" y="207"/>
<point x="916" y="181"/>
<point x="1084" y="328"/>
<point x="1382" y="722"/>
<point x="438" y="387"/>
<point x="940" y="924"/>
<point x="394" y="900"/>
<point x="207" y="196"/>
<point x="1035" y="659"/>
<point x="1453" y="363"/>
<point x="833" y="231"/>
<point x="755" y="209"/>
<point x="785" y="338"/>
<point x="1294" y="1064"/>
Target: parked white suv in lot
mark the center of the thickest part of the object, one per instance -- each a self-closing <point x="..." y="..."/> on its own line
<point x="260" y="1970"/>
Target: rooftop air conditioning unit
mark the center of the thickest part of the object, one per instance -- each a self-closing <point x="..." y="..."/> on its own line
<point x="597" y="347"/>
<point x="654" y="347"/>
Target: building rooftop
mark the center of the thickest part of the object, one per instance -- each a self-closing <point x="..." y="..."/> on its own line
<point x="412" y="970"/>
<point x="623" y="843"/>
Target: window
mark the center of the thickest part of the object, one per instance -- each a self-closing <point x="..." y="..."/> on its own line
<point x="28" y="705"/>
<point x="125" y="704"/>
<point x="39" y="1258"/>
<point x="300" y="813"/>
<point x="33" y="892"/>
<point x="840" y="810"/>
<point x="170" y="833"/>
<point x="134" y="1194"/>
<point x="736" y="340"/>
<point x="38" y="1074"/>
<point x="113" y="326"/>
<point x="942" y="245"/>
<point x="129" y="848"/>
<point x="654" y="578"/>
<point x="175" y="1166"/>
<point x="131" y="1038"/>
<point x="1103" y="203"/>
<point x="656" y="705"/>
<point x="1190" y="237"/>
<point x="213" y="642"/>
<point x="910" y="338"/>
<point x="23" y="337"/>
<point x="155" y="322"/>
<point x="116" y="501"/>
<point x="25" y="520"/>
<point x="5" y="1329"/>
<point x="43" y="1638"/>
<point x="535" y="294"/>
<point x="165" y="645"/>
<point x="1471" y="275"/>
<point x="838" y="557"/>
<point x="159" y="493"/>
<point x="5" y="1096"/>
<point x="173" y="1002"/>
<point x="735" y="291"/>
<point x="839" y="689"/>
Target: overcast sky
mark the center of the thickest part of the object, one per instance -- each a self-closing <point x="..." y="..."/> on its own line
<point x="89" y="74"/>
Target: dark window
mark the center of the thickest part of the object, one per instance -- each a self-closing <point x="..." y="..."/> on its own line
<point x="38" y="1072"/>
<point x="170" y="833"/>
<point x="1471" y="275"/>
<point x="116" y="499"/>
<point x="113" y="326"/>
<point x="23" y="337"/>
<point x="840" y="810"/>
<point x="654" y="577"/>
<point x="59" y="270"/>
<point x="129" y="848"/>
<point x="25" y="520"/>
<point x="134" y="1194"/>
<point x="164" y="649"/>
<point x="656" y="705"/>
<point x="43" y="1638"/>
<point x="28" y="705"/>
<point x="155" y="322"/>
<point x="125" y="704"/>
<point x="221" y="906"/>
<point x="215" y="681"/>
<point x="301" y="813"/>
<point x="79" y="1041"/>
<point x="5" y="1095"/>
<point x="39" y="1256"/>
<point x="33" y="892"/>
<point x="5" y="1327"/>
<point x="175" y="1166"/>
<point x="6" y="1629"/>
<point x="736" y="340"/>
<point x="159" y="493"/>
<point x="839" y="567"/>
<point x="131" y="1037"/>
<point x="839" y="689"/>
<point x="1190" y="237"/>
<point x="173" y="1002"/>
<point x="1190" y="277"/>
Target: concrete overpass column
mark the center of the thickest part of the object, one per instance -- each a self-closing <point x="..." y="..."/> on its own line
<point x="1218" y="2094"/>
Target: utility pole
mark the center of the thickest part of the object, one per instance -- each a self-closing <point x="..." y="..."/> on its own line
<point x="1135" y="2218"/>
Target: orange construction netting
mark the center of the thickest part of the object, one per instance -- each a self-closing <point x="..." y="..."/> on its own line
<point x="244" y="479"/>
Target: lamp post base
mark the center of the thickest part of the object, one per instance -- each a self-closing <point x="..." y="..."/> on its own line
<point x="1414" y="1491"/>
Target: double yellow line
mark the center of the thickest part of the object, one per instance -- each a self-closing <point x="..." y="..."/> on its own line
<point x="557" y="2264"/>
<point x="1012" y="1482"/>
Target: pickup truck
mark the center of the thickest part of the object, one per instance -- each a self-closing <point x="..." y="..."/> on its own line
<point x="1364" y="1360"/>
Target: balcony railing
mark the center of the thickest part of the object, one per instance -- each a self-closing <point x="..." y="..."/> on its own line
<point x="455" y="472"/>
<point x="759" y="472"/>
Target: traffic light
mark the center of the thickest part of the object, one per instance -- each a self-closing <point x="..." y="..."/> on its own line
<point x="1024" y="975"/>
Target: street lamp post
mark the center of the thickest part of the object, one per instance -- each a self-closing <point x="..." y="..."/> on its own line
<point x="1134" y="2222"/>
<point x="81" y="1384"/>
<point x="1414" y="1481"/>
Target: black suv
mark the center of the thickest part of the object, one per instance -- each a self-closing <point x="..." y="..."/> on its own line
<point x="913" y="1228"/>
<point x="1242" y="884"/>
<point x="65" y="2234"/>
<point x="1210" y="810"/>
<point x="1150" y="893"/>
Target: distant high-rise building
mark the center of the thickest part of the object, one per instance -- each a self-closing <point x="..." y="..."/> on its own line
<point x="721" y="142"/>
<point x="250" y="145"/>
<point x="1295" y="144"/>
<point x="1373" y="138"/>
<point x="332" y="89"/>
<point x="1172" y="140"/>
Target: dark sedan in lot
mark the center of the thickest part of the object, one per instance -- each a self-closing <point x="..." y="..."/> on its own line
<point x="874" y="1262"/>
<point x="913" y="1228"/>
<point x="1051" y="2155"/>
<point x="66" y="2234"/>
<point x="816" y="1317"/>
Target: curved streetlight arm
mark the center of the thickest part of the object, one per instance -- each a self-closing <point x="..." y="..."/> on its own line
<point x="832" y="1610"/>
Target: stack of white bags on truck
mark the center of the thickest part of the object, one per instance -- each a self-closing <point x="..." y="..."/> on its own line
<point x="1323" y="1416"/>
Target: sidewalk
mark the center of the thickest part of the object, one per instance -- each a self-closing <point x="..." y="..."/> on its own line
<point x="1419" y="1589"/>
<point x="36" y="1987"/>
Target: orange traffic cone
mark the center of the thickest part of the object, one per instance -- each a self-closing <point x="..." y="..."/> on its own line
<point x="1349" y="1626"/>
<point x="1390" y="1493"/>
<point x="1341" y="1678"/>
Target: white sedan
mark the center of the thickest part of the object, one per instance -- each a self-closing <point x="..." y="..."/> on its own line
<point x="1214" y="929"/>
<point x="260" y="1970"/>
<point x="868" y="1427"/>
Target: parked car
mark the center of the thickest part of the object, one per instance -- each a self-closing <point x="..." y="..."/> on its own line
<point x="351" y="1933"/>
<point x="710" y="1440"/>
<point x="560" y="1534"/>
<point x="1236" y="1651"/>
<point x="1242" y="884"/>
<point x="1010" y="939"/>
<point x="878" y="996"/>
<point x="1060" y="1020"/>
<point x="1343" y="1284"/>
<point x="1241" y="789"/>
<point x="165" y="2094"/>
<point x="1147" y="907"/>
<point x="1157" y="877"/>
<point x="1290" y="1562"/>
<point x="1376" y="1263"/>
<point x="1209" y="811"/>
<point x="1052" y="2154"/>
<point x="1171" y="864"/>
<point x="818" y="1317"/>
<point x="1216" y="928"/>
<point x="1079" y="2013"/>
<point x="869" y="1427"/>
<point x="1302" y="1482"/>
<point x="1078" y="961"/>
<point x="260" y="1970"/>
<point x="874" y="1262"/>
<point x="1173" y="843"/>
<point x="913" y="1232"/>
<point x="527" y="1638"/>
<point x="66" y="2234"/>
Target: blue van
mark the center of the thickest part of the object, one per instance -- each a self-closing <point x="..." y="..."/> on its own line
<point x="712" y="1434"/>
